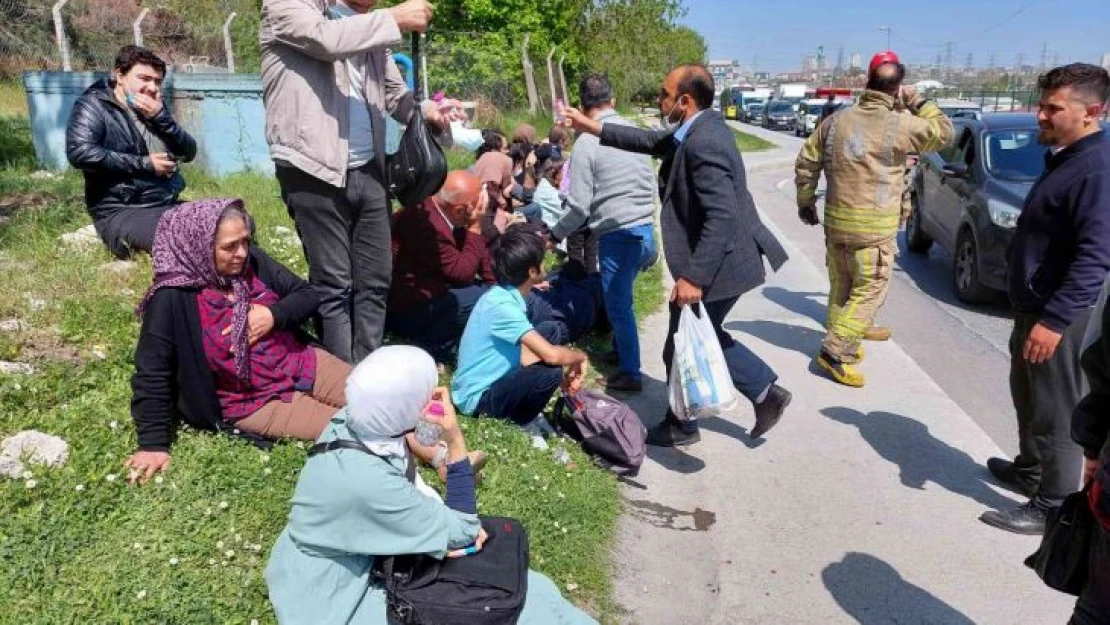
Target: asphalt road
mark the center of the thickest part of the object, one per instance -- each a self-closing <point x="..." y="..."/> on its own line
<point x="963" y="348"/>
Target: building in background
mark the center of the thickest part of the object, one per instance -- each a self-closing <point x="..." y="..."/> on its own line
<point x="857" y="61"/>
<point x="1106" y="61"/>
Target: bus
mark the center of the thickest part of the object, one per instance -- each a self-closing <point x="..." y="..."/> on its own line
<point x="733" y="100"/>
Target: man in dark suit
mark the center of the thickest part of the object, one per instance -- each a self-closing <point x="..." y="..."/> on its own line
<point x="712" y="235"/>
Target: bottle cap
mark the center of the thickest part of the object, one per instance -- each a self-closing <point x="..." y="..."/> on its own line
<point x="436" y="409"/>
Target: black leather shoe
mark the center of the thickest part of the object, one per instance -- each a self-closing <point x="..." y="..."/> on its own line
<point x="622" y="383"/>
<point x="670" y="434"/>
<point x="1024" y="481"/>
<point x="1025" y="519"/>
<point x="769" y="411"/>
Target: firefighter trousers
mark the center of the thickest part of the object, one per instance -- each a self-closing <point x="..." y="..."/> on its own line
<point x="858" y="280"/>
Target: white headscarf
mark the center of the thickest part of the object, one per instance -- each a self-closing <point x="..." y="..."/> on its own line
<point x="385" y="394"/>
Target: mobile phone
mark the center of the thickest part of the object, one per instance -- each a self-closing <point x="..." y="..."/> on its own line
<point x="559" y="106"/>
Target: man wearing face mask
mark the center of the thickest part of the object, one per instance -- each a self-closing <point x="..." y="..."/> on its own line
<point x="713" y="237"/>
<point x="122" y="137"/>
<point x="862" y="152"/>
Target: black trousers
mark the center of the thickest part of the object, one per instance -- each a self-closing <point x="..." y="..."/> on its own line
<point x="1093" y="606"/>
<point x="346" y="237"/>
<point x="1045" y="396"/>
<point x="130" y="230"/>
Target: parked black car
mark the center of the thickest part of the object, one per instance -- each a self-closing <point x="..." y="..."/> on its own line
<point x="967" y="197"/>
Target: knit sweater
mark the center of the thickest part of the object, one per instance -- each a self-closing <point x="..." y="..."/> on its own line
<point x="610" y="189"/>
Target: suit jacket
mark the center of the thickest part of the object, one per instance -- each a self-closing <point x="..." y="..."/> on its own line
<point x="712" y="233"/>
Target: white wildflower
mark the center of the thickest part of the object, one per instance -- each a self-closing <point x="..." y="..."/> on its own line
<point x="173" y="561"/>
<point x="111" y="477"/>
<point x="30" y="484"/>
<point x="208" y="512"/>
<point x="211" y="561"/>
<point x="141" y="594"/>
<point x="113" y="424"/>
<point x="136" y="546"/>
<point x="223" y="505"/>
<point x="219" y="544"/>
<point x="229" y="554"/>
<point x="79" y="487"/>
<point x="158" y="479"/>
<point x="267" y="471"/>
<point x="27" y="475"/>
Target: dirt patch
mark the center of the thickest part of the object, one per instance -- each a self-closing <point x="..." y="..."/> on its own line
<point x="11" y="203"/>
<point x="43" y="346"/>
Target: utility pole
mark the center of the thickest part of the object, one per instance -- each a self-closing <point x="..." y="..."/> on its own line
<point x="969" y="64"/>
<point x="948" y="58"/>
<point x="1044" y="57"/>
<point x="886" y="29"/>
<point x="991" y="63"/>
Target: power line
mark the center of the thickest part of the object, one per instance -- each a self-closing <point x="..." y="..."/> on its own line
<point x="1022" y="9"/>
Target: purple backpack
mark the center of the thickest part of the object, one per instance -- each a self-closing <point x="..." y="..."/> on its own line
<point x="608" y="430"/>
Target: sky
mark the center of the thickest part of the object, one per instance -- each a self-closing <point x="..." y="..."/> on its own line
<point x="777" y="34"/>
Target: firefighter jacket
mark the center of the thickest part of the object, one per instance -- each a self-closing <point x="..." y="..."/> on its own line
<point x="862" y="151"/>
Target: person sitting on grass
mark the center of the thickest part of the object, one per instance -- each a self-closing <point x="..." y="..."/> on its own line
<point x="552" y="205"/>
<point x="507" y="369"/>
<point x="220" y="344"/>
<point x="440" y="266"/>
<point x="351" y="506"/>
<point x="123" y="139"/>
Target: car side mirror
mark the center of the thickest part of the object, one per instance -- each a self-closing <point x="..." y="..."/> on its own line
<point x="957" y="170"/>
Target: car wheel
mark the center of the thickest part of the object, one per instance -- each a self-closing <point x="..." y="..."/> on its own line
<point x="965" y="270"/>
<point x="917" y="241"/>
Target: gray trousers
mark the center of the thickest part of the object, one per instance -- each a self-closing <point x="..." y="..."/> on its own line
<point x="130" y="230"/>
<point x="1045" y="396"/>
<point x="346" y="237"/>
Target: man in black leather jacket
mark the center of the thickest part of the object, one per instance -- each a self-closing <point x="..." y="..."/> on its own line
<point x="121" y="135"/>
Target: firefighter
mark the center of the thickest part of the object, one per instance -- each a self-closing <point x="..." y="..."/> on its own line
<point x="862" y="151"/>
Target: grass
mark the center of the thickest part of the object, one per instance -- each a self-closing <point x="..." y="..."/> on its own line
<point x="77" y="544"/>
<point x="747" y="143"/>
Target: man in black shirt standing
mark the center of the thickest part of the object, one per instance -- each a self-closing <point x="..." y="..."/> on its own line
<point x="1058" y="261"/>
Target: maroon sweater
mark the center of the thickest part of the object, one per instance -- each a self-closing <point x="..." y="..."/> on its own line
<point x="430" y="257"/>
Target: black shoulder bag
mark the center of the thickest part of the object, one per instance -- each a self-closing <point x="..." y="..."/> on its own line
<point x="419" y="167"/>
<point x="486" y="588"/>
<point x="1063" y="557"/>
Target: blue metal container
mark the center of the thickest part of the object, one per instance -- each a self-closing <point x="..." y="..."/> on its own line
<point x="50" y="98"/>
<point x="225" y="114"/>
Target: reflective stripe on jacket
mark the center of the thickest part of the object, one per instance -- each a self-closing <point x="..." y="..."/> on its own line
<point x="862" y="151"/>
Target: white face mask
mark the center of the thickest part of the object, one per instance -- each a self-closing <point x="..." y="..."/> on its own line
<point x="667" y="122"/>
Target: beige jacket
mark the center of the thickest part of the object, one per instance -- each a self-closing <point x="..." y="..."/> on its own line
<point x="863" y="153"/>
<point x="305" y="82"/>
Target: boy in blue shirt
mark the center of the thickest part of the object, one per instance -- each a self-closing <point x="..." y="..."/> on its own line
<point x="506" y="369"/>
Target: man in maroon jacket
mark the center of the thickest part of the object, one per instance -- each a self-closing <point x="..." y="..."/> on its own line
<point x="440" y="266"/>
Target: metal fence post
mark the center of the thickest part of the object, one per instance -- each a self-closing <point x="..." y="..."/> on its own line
<point x="551" y="80"/>
<point x="563" y="80"/>
<point x="60" y="35"/>
<point x="529" y="78"/>
<point x="137" y="27"/>
<point x="227" y="44"/>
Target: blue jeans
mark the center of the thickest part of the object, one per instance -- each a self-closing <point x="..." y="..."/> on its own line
<point x="621" y="255"/>
<point x="521" y="394"/>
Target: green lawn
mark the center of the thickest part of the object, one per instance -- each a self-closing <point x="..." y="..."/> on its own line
<point x="750" y="143"/>
<point x="79" y="545"/>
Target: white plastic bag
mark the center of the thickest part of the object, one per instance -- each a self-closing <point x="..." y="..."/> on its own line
<point x="700" y="384"/>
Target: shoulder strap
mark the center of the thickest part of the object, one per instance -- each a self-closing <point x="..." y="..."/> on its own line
<point x="344" y="443"/>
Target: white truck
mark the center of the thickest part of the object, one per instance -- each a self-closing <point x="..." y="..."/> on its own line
<point x="794" y="93"/>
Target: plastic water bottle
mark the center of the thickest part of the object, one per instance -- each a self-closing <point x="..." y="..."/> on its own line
<point x="428" y="432"/>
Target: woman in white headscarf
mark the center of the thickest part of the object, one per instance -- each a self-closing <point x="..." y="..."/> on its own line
<point x="350" y="506"/>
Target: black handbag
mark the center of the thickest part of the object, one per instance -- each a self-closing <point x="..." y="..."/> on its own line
<point x="487" y="588"/>
<point x="1063" y="558"/>
<point x="418" y="169"/>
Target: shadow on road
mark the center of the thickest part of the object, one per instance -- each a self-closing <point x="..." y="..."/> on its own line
<point x="805" y="341"/>
<point x="921" y="456"/>
<point x="873" y="592"/>
<point x="811" y="304"/>
<point x="934" y="277"/>
<point x="651" y="406"/>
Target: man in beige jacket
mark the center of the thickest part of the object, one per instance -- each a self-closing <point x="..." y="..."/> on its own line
<point x="862" y="151"/>
<point x="328" y="78"/>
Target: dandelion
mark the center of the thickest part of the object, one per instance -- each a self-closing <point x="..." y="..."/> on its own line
<point x="211" y="561"/>
<point x="27" y="475"/>
<point x="79" y="487"/>
<point x="113" y="424"/>
<point x="111" y="477"/>
<point x="564" y="530"/>
<point x="571" y="586"/>
<point x="141" y="594"/>
<point x="173" y="561"/>
<point x="29" y="484"/>
<point x="158" y="479"/>
<point x="229" y="554"/>
<point x="223" y="505"/>
<point x="219" y="544"/>
<point x="556" y="524"/>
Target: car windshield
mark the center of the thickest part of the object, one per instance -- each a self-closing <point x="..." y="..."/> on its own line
<point x="1015" y="155"/>
<point x="756" y="108"/>
<point x="815" y="109"/>
<point x="782" y="107"/>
